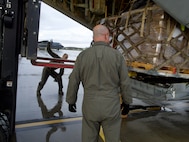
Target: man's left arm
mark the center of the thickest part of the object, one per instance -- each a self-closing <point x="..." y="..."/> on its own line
<point x="125" y="88"/>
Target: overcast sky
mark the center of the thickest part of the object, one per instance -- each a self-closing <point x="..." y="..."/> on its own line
<point x="60" y="28"/>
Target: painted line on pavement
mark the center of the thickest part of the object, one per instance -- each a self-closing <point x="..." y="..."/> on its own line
<point x="33" y="124"/>
<point x="41" y="123"/>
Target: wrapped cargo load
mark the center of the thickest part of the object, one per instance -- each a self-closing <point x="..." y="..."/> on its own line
<point x="151" y="41"/>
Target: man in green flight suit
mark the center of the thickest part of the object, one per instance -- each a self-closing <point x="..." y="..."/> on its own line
<point x="50" y="71"/>
<point x="103" y="73"/>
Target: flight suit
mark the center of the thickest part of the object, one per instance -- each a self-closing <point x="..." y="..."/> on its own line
<point x="47" y="71"/>
<point x="103" y="73"/>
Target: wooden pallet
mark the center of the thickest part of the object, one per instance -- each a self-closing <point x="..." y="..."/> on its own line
<point x="168" y="69"/>
<point x="141" y="65"/>
<point x="147" y="66"/>
<point x="184" y="71"/>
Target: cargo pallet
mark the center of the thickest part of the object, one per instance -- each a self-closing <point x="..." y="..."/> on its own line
<point x="151" y="41"/>
<point x="150" y="67"/>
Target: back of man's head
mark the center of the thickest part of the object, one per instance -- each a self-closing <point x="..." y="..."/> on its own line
<point x="100" y="33"/>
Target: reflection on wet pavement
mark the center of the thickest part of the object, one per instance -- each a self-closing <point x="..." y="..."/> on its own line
<point x="50" y="113"/>
<point x="46" y="118"/>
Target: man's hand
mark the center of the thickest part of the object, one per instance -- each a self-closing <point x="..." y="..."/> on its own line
<point x="72" y="107"/>
<point x="125" y="108"/>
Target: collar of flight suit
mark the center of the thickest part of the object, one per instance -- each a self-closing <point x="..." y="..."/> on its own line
<point x="100" y="43"/>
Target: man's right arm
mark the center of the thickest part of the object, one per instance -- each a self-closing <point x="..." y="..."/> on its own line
<point x="73" y="86"/>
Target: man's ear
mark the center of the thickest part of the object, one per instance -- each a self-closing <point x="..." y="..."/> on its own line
<point x="107" y="38"/>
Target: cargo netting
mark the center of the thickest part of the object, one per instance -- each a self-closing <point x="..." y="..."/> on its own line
<point x="151" y="41"/>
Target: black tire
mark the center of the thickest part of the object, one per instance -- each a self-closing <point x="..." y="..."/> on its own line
<point x="4" y="128"/>
<point x="3" y="137"/>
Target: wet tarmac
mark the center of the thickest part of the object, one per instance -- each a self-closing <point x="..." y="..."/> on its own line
<point x="47" y="119"/>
